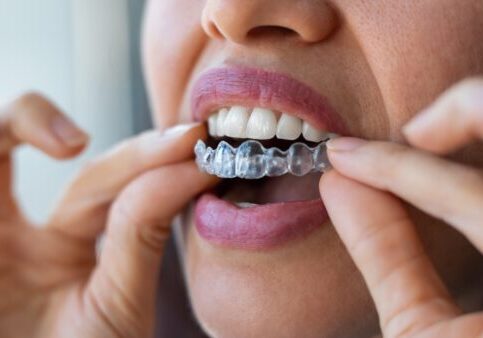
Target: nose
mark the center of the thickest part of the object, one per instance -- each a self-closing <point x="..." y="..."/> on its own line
<point x="241" y="20"/>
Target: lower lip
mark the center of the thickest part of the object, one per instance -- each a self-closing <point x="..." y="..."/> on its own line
<point x="256" y="228"/>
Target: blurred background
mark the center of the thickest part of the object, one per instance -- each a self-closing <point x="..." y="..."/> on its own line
<point x="83" y="55"/>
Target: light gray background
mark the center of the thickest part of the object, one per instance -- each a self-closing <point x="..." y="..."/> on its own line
<point x="84" y="55"/>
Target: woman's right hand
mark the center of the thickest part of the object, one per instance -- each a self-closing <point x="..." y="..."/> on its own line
<point x="52" y="284"/>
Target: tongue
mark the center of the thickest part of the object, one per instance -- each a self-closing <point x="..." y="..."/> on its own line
<point x="272" y="190"/>
<point x="290" y="188"/>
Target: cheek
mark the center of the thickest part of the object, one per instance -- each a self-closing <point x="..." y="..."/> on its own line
<point x="169" y="54"/>
<point x="291" y="292"/>
<point x="416" y="51"/>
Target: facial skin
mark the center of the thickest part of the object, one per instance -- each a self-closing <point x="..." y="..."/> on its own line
<point x="379" y="63"/>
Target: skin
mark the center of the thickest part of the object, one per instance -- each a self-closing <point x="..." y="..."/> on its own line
<point x="379" y="63"/>
<point x="402" y="247"/>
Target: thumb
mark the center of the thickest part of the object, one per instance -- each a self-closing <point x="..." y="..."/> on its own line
<point x="382" y="241"/>
<point x="123" y="287"/>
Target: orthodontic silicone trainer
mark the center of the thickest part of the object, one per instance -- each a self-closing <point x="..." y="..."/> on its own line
<point x="251" y="160"/>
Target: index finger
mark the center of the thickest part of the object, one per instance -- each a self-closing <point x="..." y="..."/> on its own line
<point x="383" y="242"/>
<point x="34" y="120"/>
<point x="454" y="120"/>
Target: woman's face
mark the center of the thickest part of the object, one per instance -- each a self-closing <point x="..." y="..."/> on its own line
<point x="376" y="64"/>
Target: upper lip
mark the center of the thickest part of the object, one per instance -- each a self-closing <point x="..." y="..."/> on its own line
<point x="228" y="86"/>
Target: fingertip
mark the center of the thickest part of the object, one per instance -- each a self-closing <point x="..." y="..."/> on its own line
<point x="66" y="153"/>
<point x="337" y="189"/>
<point x="57" y="149"/>
<point x="327" y="181"/>
<point x="193" y="172"/>
<point x="424" y="138"/>
<point x="68" y="133"/>
<point x="182" y="129"/>
<point x="35" y="120"/>
<point x="343" y="152"/>
<point x="417" y="124"/>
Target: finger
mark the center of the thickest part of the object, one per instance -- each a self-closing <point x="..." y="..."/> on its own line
<point x="382" y="241"/>
<point x="441" y="188"/>
<point x="34" y="120"/>
<point x="125" y="282"/>
<point x="82" y="211"/>
<point x="8" y="206"/>
<point x="454" y="120"/>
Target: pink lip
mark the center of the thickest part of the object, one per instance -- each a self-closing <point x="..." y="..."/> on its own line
<point x="260" y="227"/>
<point x="221" y="87"/>
<point x="256" y="228"/>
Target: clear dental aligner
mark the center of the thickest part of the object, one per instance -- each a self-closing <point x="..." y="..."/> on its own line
<point x="251" y="160"/>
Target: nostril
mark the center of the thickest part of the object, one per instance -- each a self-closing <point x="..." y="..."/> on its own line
<point x="271" y="31"/>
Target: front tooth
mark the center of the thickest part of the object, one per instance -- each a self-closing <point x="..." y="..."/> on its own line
<point x="212" y="121"/>
<point x="289" y="127"/>
<point x="262" y="124"/>
<point x="236" y="122"/>
<point x="220" y="122"/>
<point x="313" y="134"/>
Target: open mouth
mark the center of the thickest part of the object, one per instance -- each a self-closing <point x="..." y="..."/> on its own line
<point x="260" y="142"/>
<point x="267" y="140"/>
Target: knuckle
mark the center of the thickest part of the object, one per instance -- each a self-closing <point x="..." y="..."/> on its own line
<point x="26" y="101"/>
<point x="29" y="97"/>
<point x="24" y="104"/>
<point x="33" y="103"/>
<point x="407" y="320"/>
<point x="155" y="235"/>
<point x="129" y="218"/>
<point x="113" y="312"/>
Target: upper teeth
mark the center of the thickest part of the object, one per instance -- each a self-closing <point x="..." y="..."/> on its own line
<point x="261" y="124"/>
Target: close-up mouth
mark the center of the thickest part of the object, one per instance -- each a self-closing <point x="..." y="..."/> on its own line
<point x="267" y="135"/>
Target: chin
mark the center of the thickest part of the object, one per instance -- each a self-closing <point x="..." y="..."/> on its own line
<point x="306" y="287"/>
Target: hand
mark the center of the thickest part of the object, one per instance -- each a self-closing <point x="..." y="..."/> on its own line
<point x="410" y="297"/>
<point x="51" y="284"/>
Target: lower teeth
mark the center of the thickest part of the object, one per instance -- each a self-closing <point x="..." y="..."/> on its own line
<point x="252" y="161"/>
<point x="245" y="205"/>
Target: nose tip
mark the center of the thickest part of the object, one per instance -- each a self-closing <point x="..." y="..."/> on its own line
<point x="239" y="21"/>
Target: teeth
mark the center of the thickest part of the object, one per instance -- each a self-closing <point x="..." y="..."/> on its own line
<point x="245" y="205"/>
<point x="289" y="127"/>
<point x="262" y="124"/>
<point x="312" y="134"/>
<point x="236" y="122"/>
<point x="220" y="122"/>
<point x="212" y="122"/>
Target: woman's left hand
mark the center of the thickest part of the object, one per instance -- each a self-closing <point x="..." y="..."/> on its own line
<point x="410" y="297"/>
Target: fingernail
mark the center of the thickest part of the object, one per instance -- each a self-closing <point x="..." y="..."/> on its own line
<point x="67" y="132"/>
<point x="180" y="129"/>
<point x="343" y="144"/>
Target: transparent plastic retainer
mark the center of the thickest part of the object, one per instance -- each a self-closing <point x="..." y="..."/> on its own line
<point x="251" y="160"/>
